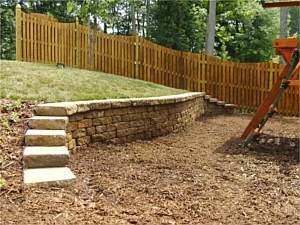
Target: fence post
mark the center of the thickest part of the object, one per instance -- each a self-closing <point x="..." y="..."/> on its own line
<point x="18" y="33"/>
<point x="181" y="71"/>
<point x="203" y="80"/>
<point x="137" y="57"/>
<point x="271" y="79"/>
<point x="77" y="43"/>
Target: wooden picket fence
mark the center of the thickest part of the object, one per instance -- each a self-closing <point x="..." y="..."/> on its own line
<point x="41" y="38"/>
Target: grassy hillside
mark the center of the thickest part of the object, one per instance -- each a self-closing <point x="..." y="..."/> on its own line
<point x="28" y="81"/>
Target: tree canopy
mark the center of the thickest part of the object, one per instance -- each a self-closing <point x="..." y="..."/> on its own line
<point x="244" y="31"/>
<point x="178" y="25"/>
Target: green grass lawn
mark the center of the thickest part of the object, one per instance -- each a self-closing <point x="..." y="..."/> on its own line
<point x="34" y="81"/>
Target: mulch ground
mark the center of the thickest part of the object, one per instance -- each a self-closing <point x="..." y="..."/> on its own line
<point x="196" y="176"/>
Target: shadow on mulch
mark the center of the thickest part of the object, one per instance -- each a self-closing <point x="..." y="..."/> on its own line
<point x="207" y="117"/>
<point x="279" y="150"/>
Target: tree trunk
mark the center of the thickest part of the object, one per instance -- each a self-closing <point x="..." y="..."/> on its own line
<point x="210" y="29"/>
<point x="283" y="27"/>
<point x="147" y="18"/>
<point x="138" y="22"/>
<point x="105" y="28"/>
<point x="95" y="23"/>
<point x="133" y="18"/>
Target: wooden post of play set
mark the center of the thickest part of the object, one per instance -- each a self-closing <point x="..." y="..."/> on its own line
<point x="286" y="47"/>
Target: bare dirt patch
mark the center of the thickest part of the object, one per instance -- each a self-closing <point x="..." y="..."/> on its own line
<point x="196" y="176"/>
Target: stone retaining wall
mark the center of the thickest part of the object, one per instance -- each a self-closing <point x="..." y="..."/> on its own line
<point x="129" y="120"/>
<point x="125" y="120"/>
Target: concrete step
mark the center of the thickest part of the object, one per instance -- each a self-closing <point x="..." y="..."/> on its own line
<point x="35" y="157"/>
<point x="58" y="176"/>
<point x="213" y="100"/>
<point x="230" y="105"/>
<point x="221" y="103"/>
<point x="206" y="97"/>
<point x="45" y="138"/>
<point x="56" y="109"/>
<point x="48" y="122"/>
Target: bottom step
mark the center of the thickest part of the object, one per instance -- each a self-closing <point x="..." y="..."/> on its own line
<point x="61" y="176"/>
<point x="39" y="156"/>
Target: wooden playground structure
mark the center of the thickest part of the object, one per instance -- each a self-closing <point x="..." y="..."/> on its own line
<point x="289" y="49"/>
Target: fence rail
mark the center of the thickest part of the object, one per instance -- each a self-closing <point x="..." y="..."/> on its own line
<point x="40" y="38"/>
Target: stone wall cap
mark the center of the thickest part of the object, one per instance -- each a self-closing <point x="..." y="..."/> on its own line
<point x="230" y="105"/>
<point x="100" y="104"/>
<point x="189" y="96"/>
<point x="118" y="103"/>
<point x="69" y="108"/>
<point x="56" y="109"/>
<point x="220" y="103"/>
<point x="213" y="100"/>
<point x="169" y="99"/>
<point x="58" y="104"/>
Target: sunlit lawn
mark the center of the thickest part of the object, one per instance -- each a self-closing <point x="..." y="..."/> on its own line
<point x="34" y="81"/>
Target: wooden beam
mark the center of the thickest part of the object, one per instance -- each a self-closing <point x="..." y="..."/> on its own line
<point x="286" y="54"/>
<point x="286" y="47"/>
<point x="280" y="4"/>
<point x="286" y="42"/>
<point x="294" y="83"/>
<point x="291" y="82"/>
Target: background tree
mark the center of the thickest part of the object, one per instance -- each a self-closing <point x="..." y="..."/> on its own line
<point x="245" y="31"/>
<point x="294" y="22"/>
<point x="210" y="28"/>
<point x="57" y="9"/>
<point x="283" y="27"/>
<point x="7" y="28"/>
<point x="177" y="25"/>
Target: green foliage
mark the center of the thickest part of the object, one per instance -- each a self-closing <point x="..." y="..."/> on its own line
<point x="113" y="14"/>
<point x="18" y="104"/>
<point x="7" y="27"/>
<point x="245" y="31"/>
<point x="10" y="107"/>
<point x="179" y="25"/>
<point x="2" y="183"/>
<point x="57" y="9"/>
<point x="14" y="117"/>
<point x="6" y="125"/>
<point x="294" y="22"/>
<point x="7" y="107"/>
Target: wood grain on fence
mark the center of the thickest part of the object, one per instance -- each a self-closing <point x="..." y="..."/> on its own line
<point x="41" y="38"/>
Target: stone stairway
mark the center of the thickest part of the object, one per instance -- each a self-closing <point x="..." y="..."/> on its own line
<point x="212" y="106"/>
<point x="46" y="156"/>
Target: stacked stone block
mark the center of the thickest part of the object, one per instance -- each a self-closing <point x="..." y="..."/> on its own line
<point x="212" y="106"/>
